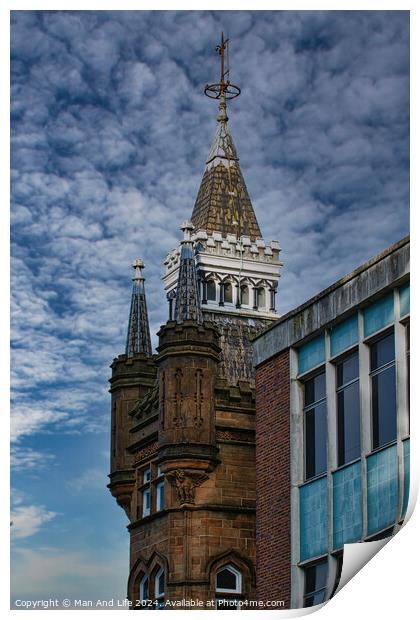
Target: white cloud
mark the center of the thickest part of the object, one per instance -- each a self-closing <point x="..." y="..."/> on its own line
<point x="27" y="459"/>
<point x="50" y="572"/>
<point x="28" y="520"/>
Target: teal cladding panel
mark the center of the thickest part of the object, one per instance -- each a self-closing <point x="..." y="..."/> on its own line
<point x="344" y="335"/>
<point x="347" y="505"/>
<point x="382" y="487"/>
<point x="311" y="354"/>
<point x="313" y="519"/>
<point x="379" y="314"/>
<point x="405" y="300"/>
<point x="406" y="447"/>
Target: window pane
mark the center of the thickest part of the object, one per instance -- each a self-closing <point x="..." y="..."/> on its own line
<point x="348" y="370"/>
<point x="348" y="421"/>
<point x="146" y="475"/>
<point x="144" y="589"/>
<point x="382" y="352"/>
<point x="384" y="415"/>
<point x="314" y="599"/>
<point x="244" y="295"/>
<point x="316" y="576"/>
<point x="316" y="440"/>
<point x="146" y="502"/>
<point x="261" y="298"/>
<point x="315" y="389"/>
<point x="160" y="498"/>
<point x="228" y="293"/>
<point x="211" y="290"/>
<point x="226" y="580"/>
<point x="160" y="583"/>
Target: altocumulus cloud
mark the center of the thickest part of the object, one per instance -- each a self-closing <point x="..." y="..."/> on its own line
<point x="109" y="136"/>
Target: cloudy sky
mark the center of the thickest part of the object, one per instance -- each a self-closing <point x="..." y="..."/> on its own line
<point x="110" y="131"/>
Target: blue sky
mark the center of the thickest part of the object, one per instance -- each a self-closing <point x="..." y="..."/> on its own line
<point x="110" y="131"/>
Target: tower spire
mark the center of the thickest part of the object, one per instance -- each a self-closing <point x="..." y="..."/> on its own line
<point x="187" y="302"/>
<point x="138" y="334"/>
<point x="223" y="203"/>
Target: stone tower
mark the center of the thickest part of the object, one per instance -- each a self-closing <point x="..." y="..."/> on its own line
<point x="183" y="433"/>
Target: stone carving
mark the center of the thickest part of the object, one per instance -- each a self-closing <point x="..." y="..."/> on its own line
<point x="177" y="419"/>
<point x="199" y="398"/>
<point x="162" y="400"/>
<point x="147" y="451"/>
<point x="235" y="436"/>
<point x="186" y="484"/>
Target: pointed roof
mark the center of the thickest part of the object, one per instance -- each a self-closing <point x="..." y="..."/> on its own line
<point x="187" y="302"/>
<point x="223" y="203"/>
<point x="138" y="333"/>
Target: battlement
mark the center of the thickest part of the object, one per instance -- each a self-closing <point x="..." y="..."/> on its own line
<point x="229" y="246"/>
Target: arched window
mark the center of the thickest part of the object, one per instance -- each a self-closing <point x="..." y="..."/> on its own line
<point x="228" y="292"/>
<point x="144" y="590"/>
<point x="261" y="297"/>
<point x="160" y="588"/>
<point x="228" y="583"/>
<point x="211" y="290"/>
<point x="245" y="295"/>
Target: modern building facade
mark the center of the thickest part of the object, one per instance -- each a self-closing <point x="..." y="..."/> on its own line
<point x="332" y="428"/>
<point x="183" y="420"/>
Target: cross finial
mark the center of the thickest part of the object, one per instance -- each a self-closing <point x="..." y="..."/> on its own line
<point x="221" y="49"/>
<point x="223" y="90"/>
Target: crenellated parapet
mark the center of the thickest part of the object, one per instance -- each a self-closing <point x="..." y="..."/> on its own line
<point x="236" y="275"/>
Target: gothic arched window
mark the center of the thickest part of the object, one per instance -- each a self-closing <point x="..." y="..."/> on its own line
<point x="228" y="583"/>
<point x="211" y="290"/>
<point x="144" y="590"/>
<point x="160" y="588"/>
<point x="261" y="297"/>
<point x="245" y="295"/>
<point x="228" y="292"/>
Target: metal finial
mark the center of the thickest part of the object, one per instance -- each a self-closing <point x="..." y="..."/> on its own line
<point x="222" y="90"/>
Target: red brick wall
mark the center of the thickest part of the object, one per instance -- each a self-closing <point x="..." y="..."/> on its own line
<point x="273" y="479"/>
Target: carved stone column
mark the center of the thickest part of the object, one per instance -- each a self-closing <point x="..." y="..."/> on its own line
<point x="187" y="369"/>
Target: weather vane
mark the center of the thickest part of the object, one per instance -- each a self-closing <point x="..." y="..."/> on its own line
<point x="223" y="89"/>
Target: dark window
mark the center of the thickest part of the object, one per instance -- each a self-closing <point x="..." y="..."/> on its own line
<point x="385" y="534"/>
<point x="338" y="571"/>
<point x="384" y="412"/>
<point x="348" y="410"/>
<point x="226" y="580"/>
<point x="315" y="413"/>
<point x="211" y="290"/>
<point x="315" y="583"/>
